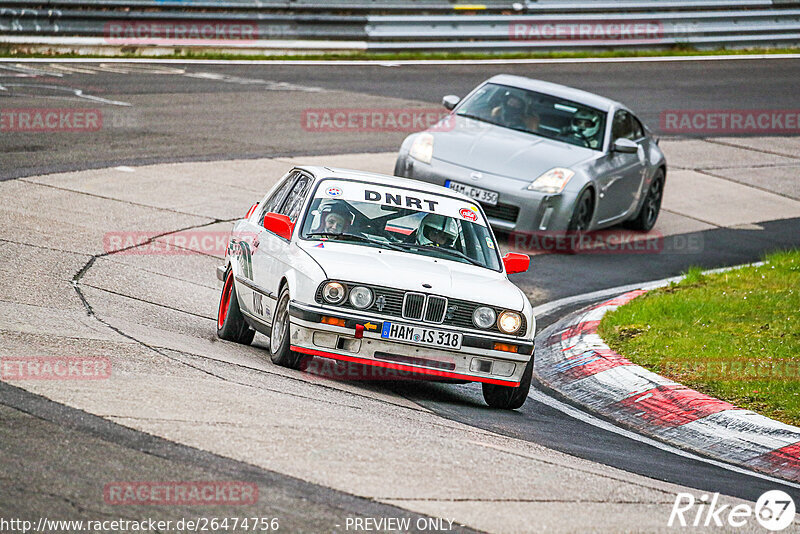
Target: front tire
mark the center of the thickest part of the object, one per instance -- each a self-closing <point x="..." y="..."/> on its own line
<point x="507" y="397"/>
<point x="231" y="325"/>
<point x="279" y="344"/>
<point x="582" y="216"/>
<point x="651" y="207"/>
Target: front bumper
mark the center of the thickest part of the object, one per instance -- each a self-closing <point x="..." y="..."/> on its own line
<point x="517" y="209"/>
<point x="474" y="362"/>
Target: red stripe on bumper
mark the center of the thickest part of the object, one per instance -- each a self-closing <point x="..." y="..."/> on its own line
<point x="401" y="367"/>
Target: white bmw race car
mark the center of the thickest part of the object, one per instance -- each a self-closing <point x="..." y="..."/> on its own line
<point x="379" y="271"/>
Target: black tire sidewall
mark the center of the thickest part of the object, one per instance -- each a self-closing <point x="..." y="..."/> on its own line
<point x="234" y="328"/>
<point x="507" y="397"/>
<point x="573" y="221"/>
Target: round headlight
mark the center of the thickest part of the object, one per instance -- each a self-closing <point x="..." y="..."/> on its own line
<point x="333" y="292"/>
<point x="361" y="297"/>
<point x="483" y="317"/>
<point x="509" y="322"/>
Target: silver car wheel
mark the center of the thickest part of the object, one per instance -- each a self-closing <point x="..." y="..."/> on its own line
<point x="279" y="325"/>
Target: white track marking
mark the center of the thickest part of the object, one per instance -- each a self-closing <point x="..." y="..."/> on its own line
<point x="576" y="413"/>
<point x="74" y="92"/>
<point x="395" y="63"/>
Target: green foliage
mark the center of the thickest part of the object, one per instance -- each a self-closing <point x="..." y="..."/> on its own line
<point x="734" y="335"/>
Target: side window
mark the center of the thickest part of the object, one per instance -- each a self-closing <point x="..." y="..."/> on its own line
<point x="638" y="129"/>
<point x="275" y="200"/>
<point x="296" y="197"/>
<point x="621" y="127"/>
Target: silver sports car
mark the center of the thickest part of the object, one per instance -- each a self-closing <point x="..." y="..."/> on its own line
<point x="542" y="157"/>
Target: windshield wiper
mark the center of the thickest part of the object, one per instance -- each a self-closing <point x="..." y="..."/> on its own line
<point x="355" y="237"/>
<point x="449" y="251"/>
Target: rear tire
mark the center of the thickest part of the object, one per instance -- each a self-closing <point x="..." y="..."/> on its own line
<point x="651" y="207"/>
<point x="231" y="325"/>
<point x="507" y="397"/>
<point x="279" y="344"/>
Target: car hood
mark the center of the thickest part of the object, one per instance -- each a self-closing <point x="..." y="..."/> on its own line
<point x="501" y="151"/>
<point x="406" y="271"/>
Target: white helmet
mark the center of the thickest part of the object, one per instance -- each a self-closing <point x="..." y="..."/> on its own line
<point x="586" y="123"/>
<point x="437" y="230"/>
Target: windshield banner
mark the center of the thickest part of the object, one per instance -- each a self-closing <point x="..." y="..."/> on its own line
<point x="400" y="197"/>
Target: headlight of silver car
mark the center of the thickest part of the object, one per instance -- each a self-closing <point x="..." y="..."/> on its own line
<point x="509" y="322"/>
<point x="422" y="148"/>
<point x="333" y="292"/>
<point x="361" y="297"/>
<point x="483" y="317"/>
<point x="553" y="181"/>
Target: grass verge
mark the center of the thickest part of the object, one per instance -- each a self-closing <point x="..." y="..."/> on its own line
<point x="7" y="51"/>
<point x="733" y="335"/>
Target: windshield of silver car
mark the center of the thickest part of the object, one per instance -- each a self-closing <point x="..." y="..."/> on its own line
<point x="405" y="220"/>
<point x="537" y="113"/>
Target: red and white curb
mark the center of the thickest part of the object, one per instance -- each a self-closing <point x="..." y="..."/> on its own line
<point x="573" y="361"/>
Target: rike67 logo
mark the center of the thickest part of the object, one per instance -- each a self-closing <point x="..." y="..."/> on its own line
<point x="774" y="510"/>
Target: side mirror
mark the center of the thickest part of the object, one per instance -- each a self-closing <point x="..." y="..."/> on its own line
<point x="516" y="263"/>
<point x="279" y="225"/>
<point x="625" y="146"/>
<point x="450" y="101"/>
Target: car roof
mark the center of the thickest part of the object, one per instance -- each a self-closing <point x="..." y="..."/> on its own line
<point x="561" y="91"/>
<point x="321" y="173"/>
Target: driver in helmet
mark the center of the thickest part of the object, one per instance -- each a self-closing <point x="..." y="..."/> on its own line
<point x="584" y="126"/>
<point x="437" y="231"/>
<point x="335" y="218"/>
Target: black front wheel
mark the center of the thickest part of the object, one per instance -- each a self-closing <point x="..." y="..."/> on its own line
<point x="507" y="397"/>
<point x="582" y="216"/>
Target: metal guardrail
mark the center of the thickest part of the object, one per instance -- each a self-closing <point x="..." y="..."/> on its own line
<point x="288" y="5"/>
<point x="534" y="25"/>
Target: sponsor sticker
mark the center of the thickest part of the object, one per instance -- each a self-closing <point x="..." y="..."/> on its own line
<point x="333" y="192"/>
<point x="468" y="214"/>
